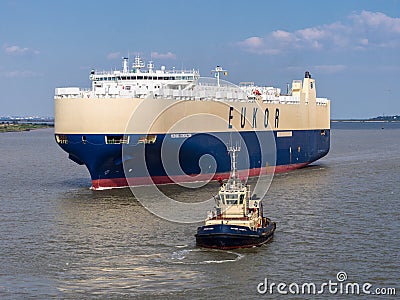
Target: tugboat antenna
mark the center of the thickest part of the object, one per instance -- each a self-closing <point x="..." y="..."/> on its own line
<point x="232" y="150"/>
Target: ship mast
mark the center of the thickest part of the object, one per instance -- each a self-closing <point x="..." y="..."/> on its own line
<point x="125" y="64"/>
<point x="218" y="70"/>
<point x="138" y="64"/>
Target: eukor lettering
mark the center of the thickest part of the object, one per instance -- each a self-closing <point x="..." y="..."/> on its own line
<point x="255" y="117"/>
<point x="266" y="116"/>
<point x="243" y="117"/>
<point x="254" y="120"/>
<point x="230" y="117"/>
<point x="277" y="118"/>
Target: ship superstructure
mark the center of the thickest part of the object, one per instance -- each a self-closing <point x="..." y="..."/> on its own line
<point x="143" y="108"/>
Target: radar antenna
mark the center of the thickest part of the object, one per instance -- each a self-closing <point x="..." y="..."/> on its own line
<point x="150" y="66"/>
<point x="138" y="64"/>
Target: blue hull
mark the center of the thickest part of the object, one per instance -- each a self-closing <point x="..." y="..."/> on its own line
<point x="110" y="164"/>
<point x="226" y="237"/>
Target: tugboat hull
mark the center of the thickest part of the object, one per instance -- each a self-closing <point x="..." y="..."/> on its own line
<point x="225" y="236"/>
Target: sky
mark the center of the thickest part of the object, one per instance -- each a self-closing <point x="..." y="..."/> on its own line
<point x="351" y="48"/>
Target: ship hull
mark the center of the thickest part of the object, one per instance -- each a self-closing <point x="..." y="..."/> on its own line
<point x="143" y="163"/>
<point x="127" y="141"/>
<point x="227" y="237"/>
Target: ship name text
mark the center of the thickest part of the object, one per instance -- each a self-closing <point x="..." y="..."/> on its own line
<point x="251" y="119"/>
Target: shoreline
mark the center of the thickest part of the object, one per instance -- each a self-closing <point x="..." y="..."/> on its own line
<point x="364" y="121"/>
<point x="21" y="127"/>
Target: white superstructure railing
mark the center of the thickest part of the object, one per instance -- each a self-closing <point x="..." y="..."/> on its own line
<point x="199" y="92"/>
<point x="178" y="85"/>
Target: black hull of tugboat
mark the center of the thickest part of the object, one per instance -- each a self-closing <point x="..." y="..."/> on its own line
<point x="225" y="236"/>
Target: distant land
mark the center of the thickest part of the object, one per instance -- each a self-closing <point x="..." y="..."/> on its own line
<point x="29" y="119"/>
<point x="18" y="124"/>
<point x="395" y="118"/>
<point x="50" y="120"/>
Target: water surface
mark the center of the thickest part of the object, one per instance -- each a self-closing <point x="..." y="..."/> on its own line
<point x="59" y="239"/>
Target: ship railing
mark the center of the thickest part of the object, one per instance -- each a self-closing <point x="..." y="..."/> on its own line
<point x="289" y="99"/>
<point x="71" y="92"/>
<point x="156" y="72"/>
<point x="201" y="93"/>
<point x="197" y="93"/>
<point x="322" y="101"/>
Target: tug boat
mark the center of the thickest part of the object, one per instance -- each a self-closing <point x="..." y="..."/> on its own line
<point x="237" y="220"/>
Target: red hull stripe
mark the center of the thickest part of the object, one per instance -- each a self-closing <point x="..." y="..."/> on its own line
<point x="98" y="184"/>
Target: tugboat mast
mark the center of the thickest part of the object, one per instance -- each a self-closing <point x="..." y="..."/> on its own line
<point x="233" y="151"/>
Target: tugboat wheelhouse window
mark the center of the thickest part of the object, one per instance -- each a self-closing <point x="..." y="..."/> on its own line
<point x="231" y="199"/>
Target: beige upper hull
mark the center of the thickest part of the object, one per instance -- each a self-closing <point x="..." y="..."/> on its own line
<point x="135" y="115"/>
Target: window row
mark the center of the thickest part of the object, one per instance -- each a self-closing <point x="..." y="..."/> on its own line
<point x="144" y="78"/>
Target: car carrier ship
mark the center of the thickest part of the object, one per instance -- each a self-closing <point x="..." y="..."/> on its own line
<point x="141" y="125"/>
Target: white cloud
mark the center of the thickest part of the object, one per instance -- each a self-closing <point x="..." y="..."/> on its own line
<point x="377" y="20"/>
<point x="21" y="74"/>
<point x="113" y="55"/>
<point x="283" y="36"/>
<point x="257" y="45"/>
<point x="254" y="42"/>
<point x="17" y="50"/>
<point x="359" y="31"/>
<point x="311" y="34"/>
<point x="168" y="55"/>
